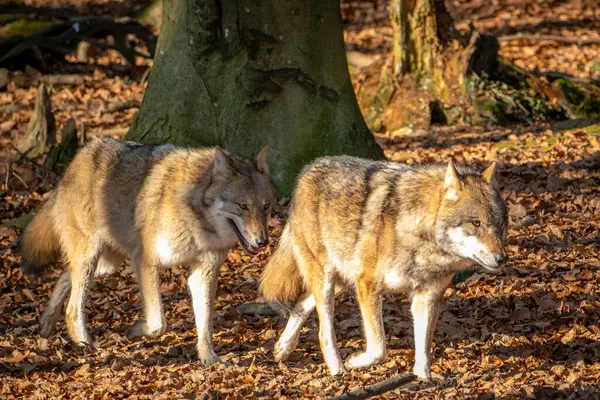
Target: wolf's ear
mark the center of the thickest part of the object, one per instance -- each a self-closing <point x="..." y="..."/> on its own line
<point x="451" y="182"/>
<point x="222" y="167"/>
<point x="489" y="175"/>
<point x="260" y="161"/>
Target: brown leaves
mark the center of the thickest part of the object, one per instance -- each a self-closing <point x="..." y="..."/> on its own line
<point x="532" y="331"/>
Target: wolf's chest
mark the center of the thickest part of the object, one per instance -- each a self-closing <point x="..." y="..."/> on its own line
<point x="395" y="280"/>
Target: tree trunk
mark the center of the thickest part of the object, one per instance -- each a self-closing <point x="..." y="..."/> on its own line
<point x="244" y="74"/>
<point x="415" y="42"/>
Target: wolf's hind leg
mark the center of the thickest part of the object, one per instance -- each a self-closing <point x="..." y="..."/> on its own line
<point x="53" y="309"/>
<point x="368" y="293"/>
<point x="83" y="258"/>
<point x="203" y="287"/>
<point x="107" y="264"/>
<point x="289" y="338"/>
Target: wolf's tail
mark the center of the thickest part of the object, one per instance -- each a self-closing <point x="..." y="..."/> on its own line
<point x="39" y="242"/>
<point x="281" y="282"/>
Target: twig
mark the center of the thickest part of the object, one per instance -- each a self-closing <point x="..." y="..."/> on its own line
<point x="378" y="388"/>
<point x="20" y="179"/>
<point x="145" y="75"/>
<point x="22" y="155"/>
<point x="554" y="38"/>
<point x="7" y="175"/>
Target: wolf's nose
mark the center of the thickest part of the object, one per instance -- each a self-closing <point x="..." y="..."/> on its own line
<point x="262" y="242"/>
<point x="502" y="258"/>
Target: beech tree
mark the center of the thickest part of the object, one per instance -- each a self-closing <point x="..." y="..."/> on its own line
<point x="243" y="74"/>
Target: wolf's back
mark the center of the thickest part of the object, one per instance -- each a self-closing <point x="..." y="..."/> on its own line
<point x="281" y="281"/>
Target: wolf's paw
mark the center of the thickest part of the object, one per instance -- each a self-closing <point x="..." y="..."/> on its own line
<point x="47" y="324"/>
<point x="77" y="331"/>
<point x="364" y="359"/>
<point x="423" y="371"/>
<point x="141" y="328"/>
<point x="338" y="370"/>
<point x="283" y="349"/>
<point x="208" y="357"/>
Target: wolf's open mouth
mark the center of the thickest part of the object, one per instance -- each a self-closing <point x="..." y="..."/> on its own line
<point x="247" y="246"/>
<point x="486" y="266"/>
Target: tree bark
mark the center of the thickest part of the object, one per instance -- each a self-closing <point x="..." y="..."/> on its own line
<point x="243" y="74"/>
<point x="416" y="41"/>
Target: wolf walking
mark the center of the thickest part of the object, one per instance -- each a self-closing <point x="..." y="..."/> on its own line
<point x="378" y="227"/>
<point x="159" y="206"/>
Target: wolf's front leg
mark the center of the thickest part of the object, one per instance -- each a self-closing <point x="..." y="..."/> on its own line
<point x="425" y="310"/>
<point x="203" y="286"/>
<point x="149" y="280"/>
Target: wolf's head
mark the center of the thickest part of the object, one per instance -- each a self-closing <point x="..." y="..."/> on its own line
<point x="242" y="196"/>
<point x="472" y="219"/>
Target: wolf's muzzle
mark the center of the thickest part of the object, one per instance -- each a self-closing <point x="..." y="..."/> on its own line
<point x="262" y="241"/>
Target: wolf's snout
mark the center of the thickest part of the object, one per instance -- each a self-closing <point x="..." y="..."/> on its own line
<point x="501" y="258"/>
<point x="262" y="241"/>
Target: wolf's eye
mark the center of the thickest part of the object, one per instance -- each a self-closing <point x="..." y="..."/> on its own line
<point x="243" y="206"/>
<point x="266" y="207"/>
<point x="476" y="223"/>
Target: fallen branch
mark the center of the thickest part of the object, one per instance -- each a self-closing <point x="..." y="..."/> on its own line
<point x="63" y="38"/>
<point x="24" y="80"/>
<point x="10" y="108"/>
<point x="70" y="79"/>
<point x="378" y="388"/>
<point x="19" y="9"/>
<point x="553" y="75"/>
<point x="122" y="105"/>
<point x="553" y="38"/>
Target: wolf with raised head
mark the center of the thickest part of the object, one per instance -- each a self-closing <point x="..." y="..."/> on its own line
<point x="158" y="206"/>
<point x="375" y="227"/>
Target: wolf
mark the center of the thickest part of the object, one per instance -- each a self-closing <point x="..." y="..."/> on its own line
<point x="376" y="227"/>
<point x="158" y="205"/>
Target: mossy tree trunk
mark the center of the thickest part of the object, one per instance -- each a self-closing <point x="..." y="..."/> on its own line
<point x="420" y="29"/>
<point x="243" y="74"/>
<point x="415" y="43"/>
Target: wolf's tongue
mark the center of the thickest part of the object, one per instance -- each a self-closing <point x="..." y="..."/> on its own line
<point x="252" y="250"/>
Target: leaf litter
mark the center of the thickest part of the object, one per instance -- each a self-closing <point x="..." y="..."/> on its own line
<point x="530" y="332"/>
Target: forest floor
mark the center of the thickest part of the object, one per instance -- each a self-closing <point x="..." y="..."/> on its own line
<point x="530" y="332"/>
